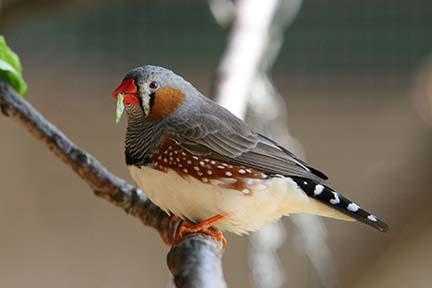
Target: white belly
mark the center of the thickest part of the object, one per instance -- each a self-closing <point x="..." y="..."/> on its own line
<point x="190" y="198"/>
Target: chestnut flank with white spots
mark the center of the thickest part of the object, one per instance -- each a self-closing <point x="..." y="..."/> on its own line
<point x="203" y="168"/>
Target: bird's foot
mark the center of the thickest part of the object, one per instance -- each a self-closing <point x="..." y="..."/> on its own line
<point x="186" y="228"/>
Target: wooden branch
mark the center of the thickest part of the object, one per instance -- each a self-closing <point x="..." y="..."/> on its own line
<point x="195" y="262"/>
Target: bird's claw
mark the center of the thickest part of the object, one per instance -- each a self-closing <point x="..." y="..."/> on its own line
<point x="186" y="228"/>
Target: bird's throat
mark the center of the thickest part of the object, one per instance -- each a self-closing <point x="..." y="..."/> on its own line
<point x="141" y="139"/>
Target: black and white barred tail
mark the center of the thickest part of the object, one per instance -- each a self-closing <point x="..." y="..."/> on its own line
<point x="335" y="200"/>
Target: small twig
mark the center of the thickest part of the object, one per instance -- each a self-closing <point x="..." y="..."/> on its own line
<point x="195" y="262"/>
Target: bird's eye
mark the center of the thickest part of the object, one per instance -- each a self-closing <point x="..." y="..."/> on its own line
<point x="153" y="85"/>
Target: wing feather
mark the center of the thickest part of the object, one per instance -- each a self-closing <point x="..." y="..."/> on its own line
<point x="214" y="131"/>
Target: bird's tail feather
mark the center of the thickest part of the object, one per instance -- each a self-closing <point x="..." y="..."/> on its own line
<point x="335" y="200"/>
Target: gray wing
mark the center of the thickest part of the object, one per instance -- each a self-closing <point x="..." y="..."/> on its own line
<point x="222" y="136"/>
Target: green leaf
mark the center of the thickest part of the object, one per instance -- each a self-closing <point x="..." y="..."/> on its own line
<point x="10" y="68"/>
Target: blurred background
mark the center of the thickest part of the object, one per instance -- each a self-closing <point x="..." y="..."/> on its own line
<point x="357" y="80"/>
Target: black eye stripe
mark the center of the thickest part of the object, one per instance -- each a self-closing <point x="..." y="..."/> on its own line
<point x="152" y="99"/>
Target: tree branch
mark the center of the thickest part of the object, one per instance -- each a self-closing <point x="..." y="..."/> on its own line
<point x="195" y="262"/>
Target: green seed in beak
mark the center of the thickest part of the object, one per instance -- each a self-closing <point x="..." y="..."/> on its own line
<point x="120" y="107"/>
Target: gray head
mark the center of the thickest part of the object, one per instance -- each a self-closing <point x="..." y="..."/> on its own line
<point x="152" y="92"/>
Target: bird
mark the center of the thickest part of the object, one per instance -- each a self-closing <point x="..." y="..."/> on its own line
<point x="203" y="165"/>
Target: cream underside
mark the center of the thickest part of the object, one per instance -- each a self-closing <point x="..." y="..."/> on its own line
<point x="190" y="198"/>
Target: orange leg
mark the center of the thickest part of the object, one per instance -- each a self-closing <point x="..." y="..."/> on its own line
<point x="205" y="227"/>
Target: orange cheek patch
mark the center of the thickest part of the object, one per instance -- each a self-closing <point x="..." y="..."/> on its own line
<point x="166" y="101"/>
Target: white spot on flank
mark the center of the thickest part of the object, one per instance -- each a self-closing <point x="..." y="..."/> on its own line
<point x="228" y="173"/>
<point x="202" y="163"/>
<point x="175" y="152"/>
<point x="170" y="154"/>
<point x="353" y="207"/>
<point x="318" y="189"/>
<point x="165" y="160"/>
<point x="246" y="191"/>
<point x="212" y="162"/>
<point x="372" y="218"/>
<point x="209" y="172"/>
<point x="249" y="170"/>
<point x="195" y="157"/>
<point x="220" y="167"/>
<point x="263" y="175"/>
<point x="171" y="158"/>
<point x="189" y="162"/>
<point x="170" y="147"/>
<point x="160" y="157"/>
<point x="180" y="165"/>
<point x="305" y="182"/>
<point x="336" y="199"/>
<point x="183" y="153"/>
<point x="177" y="159"/>
<point x="206" y="160"/>
<point x="241" y="171"/>
<point x="200" y="173"/>
<point x="196" y="168"/>
<point x="225" y="164"/>
<point x="204" y="179"/>
<point x="185" y="170"/>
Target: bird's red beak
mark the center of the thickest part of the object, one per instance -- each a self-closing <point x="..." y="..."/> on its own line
<point x="130" y="91"/>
